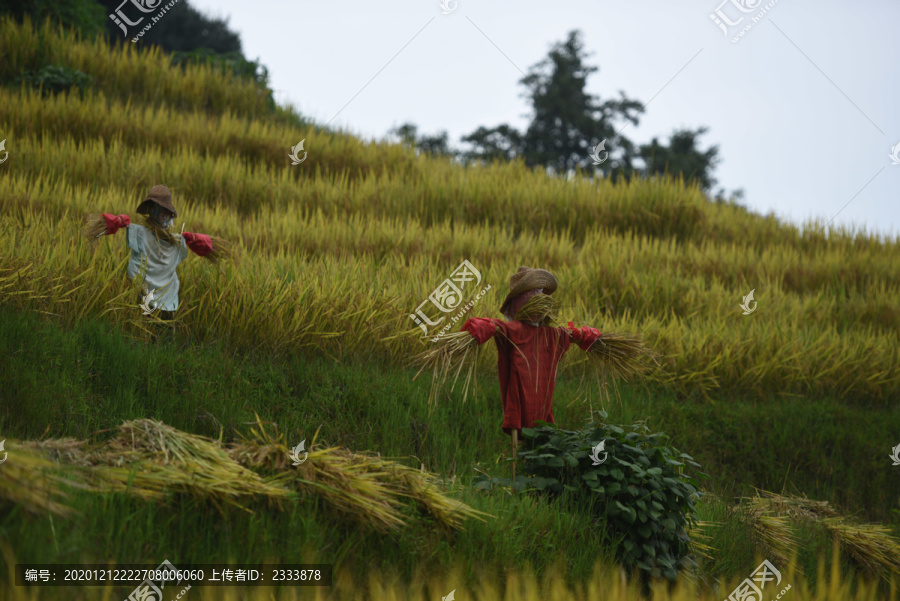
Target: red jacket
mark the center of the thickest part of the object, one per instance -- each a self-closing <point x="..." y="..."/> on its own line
<point x="527" y="357"/>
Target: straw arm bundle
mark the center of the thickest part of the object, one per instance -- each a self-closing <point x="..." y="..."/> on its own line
<point x="622" y="355"/>
<point x="222" y="250"/>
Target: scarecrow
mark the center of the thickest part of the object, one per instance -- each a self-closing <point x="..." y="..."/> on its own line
<point x="529" y="349"/>
<point x="155" y="251"/>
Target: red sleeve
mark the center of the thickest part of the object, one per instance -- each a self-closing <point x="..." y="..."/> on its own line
<point x="115" y="222"/>
<point x="199" y="243"/>
<point x="585" y="336"/>
<point x="481" y="328"/>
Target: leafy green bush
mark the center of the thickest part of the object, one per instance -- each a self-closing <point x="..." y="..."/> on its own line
<point x="640" y="487"/>
<point x="52" y="79"/>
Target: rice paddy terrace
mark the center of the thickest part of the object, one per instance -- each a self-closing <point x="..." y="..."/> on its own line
<point x="125" y="448"/>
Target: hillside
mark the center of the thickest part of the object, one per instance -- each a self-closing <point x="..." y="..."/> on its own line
<point x="311" y="328"/>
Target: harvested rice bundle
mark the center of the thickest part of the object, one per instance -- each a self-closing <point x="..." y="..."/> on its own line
<point x="155" y="251"/>
<point x="149" y="459"/>
<point x="423" y="488"/>
<point x="366" y="488"/>
<point x="69" y="451"/>
<point x="27" y="481"/>
<point x="870" y="545"/>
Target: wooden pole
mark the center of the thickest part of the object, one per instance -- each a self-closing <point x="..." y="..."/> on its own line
<point x="515" y="442"/>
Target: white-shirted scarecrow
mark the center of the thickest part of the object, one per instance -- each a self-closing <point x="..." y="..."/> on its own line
<point x="529" y="349"/>
<point x="156" y="252"/>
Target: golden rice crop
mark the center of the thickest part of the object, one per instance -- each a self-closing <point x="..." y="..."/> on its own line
<point x="352" y="303"/>
<point x="337" y="256"/>
<point x="840" y="275"/>
<point x="125" y="71"/>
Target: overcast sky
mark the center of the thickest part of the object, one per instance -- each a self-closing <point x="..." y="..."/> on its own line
<point x="803" y="107"/>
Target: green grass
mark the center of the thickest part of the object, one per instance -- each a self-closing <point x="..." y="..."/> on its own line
<point x="76" y="382"/>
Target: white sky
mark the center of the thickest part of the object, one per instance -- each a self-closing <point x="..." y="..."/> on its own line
<point x="803" y="107"/>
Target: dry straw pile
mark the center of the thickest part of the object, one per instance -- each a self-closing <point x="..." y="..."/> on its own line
<point x="151" y="460"/>
<point x="870" y="545"/>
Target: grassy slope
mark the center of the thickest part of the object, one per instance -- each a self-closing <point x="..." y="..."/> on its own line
<point x="76" y="382"/>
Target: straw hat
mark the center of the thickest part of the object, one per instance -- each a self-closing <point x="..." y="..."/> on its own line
<point x="161" y="196"/>
<point x="529" y="279"/>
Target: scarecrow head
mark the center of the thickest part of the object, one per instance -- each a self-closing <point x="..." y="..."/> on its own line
<point x="524" y="284"/>
<point x="158" y="205"/>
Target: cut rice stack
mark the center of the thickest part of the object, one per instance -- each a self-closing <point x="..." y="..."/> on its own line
<point x="870" y="545"/>
<point x="151" y="460"/>
<point x="26" y="479"/>
<point x="362" y="487"/>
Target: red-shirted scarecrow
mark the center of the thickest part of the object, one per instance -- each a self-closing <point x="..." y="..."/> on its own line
<point x="528" y="352"/>
<point x="155" y="251"/>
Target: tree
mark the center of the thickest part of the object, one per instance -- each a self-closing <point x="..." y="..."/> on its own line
<point x="434" y="145"/>
<point x="183" y="28"/>
<point x="567" y="121"/>
<point x="86" y="16"/>
<point x="682" y="156"/>
<point x="501" y="142"/>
